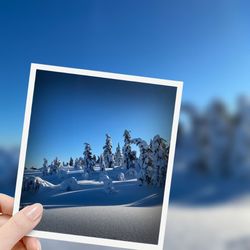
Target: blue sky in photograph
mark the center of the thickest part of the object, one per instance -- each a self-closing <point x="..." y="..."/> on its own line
<point x="69" y="110"/>
<point x="205" y="43"/>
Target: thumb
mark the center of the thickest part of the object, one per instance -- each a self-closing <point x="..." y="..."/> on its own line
<point x="19" y="225"/>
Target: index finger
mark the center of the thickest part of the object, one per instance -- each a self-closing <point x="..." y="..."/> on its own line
<point x="6" y="204"/>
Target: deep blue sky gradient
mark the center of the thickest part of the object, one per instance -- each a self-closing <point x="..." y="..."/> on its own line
<point x="205" y="43"/>
<point x="69" y="110"/>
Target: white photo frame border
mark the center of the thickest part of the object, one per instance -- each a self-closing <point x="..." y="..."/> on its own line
<point x="24" y="143"/>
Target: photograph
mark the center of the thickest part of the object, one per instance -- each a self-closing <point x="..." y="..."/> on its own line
<point x="97" y="152"/>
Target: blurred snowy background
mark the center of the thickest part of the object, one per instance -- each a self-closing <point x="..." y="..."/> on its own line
<point x="205" y="43"/>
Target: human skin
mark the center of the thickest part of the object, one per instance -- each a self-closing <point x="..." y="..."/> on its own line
<point x="14" y="228"/>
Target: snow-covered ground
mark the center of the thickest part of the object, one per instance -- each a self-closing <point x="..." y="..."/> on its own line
<point x="224" y="227"/>
<point x="132" y="212"/>
<point x="92" y="193"/>
<point x="138" y="224"/>
<point x="220" y="227"/>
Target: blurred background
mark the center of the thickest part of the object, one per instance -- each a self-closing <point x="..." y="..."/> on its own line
<point x="205" y="43"/>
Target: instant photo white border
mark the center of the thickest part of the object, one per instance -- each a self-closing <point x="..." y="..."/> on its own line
<point x="94" y="240"/>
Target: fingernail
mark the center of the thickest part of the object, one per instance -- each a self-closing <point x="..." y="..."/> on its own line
<point x="33" y="212"/>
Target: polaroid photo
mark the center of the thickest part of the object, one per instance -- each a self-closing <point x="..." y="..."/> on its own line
<point x="97" y="152"/>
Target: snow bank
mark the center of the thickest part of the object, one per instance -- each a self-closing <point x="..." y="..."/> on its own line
<point x="69" y="184"/>
<point x="108" y="183"/>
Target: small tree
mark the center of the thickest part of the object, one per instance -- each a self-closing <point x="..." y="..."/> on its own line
<point x="102" y="163"/>
<point x="127" y="149"/>
<point x="88" y="159"/>
<point x="55" y="166"/>
<point x="45" y="167"/>
<point x="71" y="162"/>
<point x="118" y="156"/>
<point x="107" y="153"/>
<point x="76" y="163"/>
<point x="80" y="163"/>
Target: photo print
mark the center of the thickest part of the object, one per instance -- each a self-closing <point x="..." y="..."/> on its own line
<point x="97" y="152"/>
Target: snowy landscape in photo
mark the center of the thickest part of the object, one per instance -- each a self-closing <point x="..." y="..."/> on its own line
<point x="115" y="195"/>
<point x="98" y="155"/>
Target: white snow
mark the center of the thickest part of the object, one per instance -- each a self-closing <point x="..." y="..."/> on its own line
<point x="220" y="227"/>
<point x="224" y="227"/>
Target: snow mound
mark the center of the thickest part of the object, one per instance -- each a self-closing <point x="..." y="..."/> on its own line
<point x="69" y="184"/>
<point x="34" y="183"/>
<point x="43" y="183"/>
<point x="131" y="174"/>
<point x="121" y="177"/>
<point x="108" y="183"/>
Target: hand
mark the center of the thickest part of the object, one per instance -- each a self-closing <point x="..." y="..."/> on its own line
<point x="14" y="228"/>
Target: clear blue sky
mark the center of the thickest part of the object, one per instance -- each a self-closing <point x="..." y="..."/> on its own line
<point x="69" y="110"/>
<point x="204" y="43"/>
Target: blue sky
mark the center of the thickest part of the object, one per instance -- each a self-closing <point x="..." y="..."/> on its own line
<point x="204" y="43"/>
<point x="69" y="110"/>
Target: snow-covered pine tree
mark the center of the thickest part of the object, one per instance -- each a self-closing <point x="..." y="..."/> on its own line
<point x="102" y="163"/>
<point x="126" y="150"/>
<point x="45" y="167"/>
<point x="118" y="156"/>
<point x="240" y="157"/>
<point x="76" y="163"/>
<point x="88" y="160"/>
<point x="107" y="152"/>
<point x="55" y="166"/>
<point x="160" y="152"/>
<point x="81" y="163"/>
<point x="145" y="161"/>
<point x="71" y="162"/>
<point x="218" y="141"/>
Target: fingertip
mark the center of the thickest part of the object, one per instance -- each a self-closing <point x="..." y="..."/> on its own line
<point x="39" y="207"/>
<point x="33" y="212"/>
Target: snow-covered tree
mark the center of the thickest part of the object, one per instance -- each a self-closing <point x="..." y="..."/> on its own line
<point x="102" y="163"/>
<point x="145" y="162"/>
<point x="71" y="162"/>
<point x="126" y="150"/>
<point x="88" y="159"/>
<point x="216" y="148"/>
<point x="55" y="166"/>
<point x="45" y="167"/>
<point x="160" y="151"/>
<point x="31" y="184"/>
<point x="240" y="156"/>
<point x="107" y="183"/>
<point x="81" y="163"/>
<point x="118" y="156"/>
<point x="76" y="163"/>
<point x="107" y="152"/>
